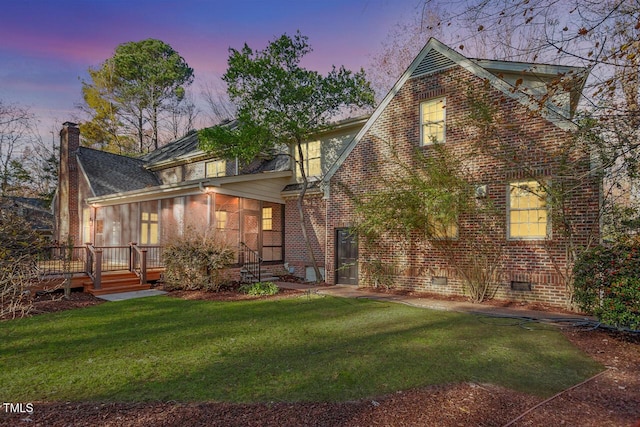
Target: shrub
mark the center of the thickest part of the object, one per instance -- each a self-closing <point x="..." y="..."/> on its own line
<point x="260" y="288"/>
<point x="18" y="261"/>
<point x="196" y="261"/>
<point x="378" y="273"/>
<point x="607" y="284"/>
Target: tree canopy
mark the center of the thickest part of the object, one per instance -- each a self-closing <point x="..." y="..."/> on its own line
<point x="128" y="93"/>
<point x="278" y="101"/>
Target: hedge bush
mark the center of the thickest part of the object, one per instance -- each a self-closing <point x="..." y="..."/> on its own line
<point x="607" y="283"/>
<point x="196" y="261"/>
<point x="260" y="288"/>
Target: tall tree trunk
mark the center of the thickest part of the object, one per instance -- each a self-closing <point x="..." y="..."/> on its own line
<point x="140" y="133"/>
<point x="303" y="222"/>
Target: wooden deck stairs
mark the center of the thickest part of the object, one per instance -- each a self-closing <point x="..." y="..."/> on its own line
<point x="120" y="281"/>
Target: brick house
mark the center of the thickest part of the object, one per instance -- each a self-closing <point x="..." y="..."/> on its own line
<point x="110" y="200"/>
<point x="431" y="104"/>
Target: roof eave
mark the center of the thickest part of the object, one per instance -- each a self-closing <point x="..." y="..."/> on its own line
<point x="179" y="189"/>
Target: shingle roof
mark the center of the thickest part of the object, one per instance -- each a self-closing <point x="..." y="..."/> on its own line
<point x="188" y="144"/>
<point x="186" y="147"/>
<point x="111" y="173"/>
<point x="280" y="162"/>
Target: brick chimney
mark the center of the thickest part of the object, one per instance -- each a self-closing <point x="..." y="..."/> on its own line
<point x="68" y="215"/>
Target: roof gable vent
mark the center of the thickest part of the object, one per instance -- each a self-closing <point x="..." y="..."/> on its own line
<point x="432" y="62"/>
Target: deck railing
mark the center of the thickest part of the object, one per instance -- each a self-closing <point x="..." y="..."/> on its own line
<point x="94" y="260"/>
<point x="59" y="260"/>
<point x="143" y="258"/>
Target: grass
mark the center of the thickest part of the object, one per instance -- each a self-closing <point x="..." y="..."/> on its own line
<point x="303" y="349"/>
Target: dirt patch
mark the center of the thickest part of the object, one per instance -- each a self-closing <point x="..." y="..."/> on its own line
<point x="49" y="302"/>
<point x="230" y="294"/>
<point x="610" y="399"/>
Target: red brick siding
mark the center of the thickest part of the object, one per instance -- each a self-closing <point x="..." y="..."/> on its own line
<point x="531" y="140"/>
<point x="295" y="247"/>
<point x="68" y="217"/>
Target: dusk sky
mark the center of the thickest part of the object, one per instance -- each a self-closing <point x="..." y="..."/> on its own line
<point x="48" y="45"/>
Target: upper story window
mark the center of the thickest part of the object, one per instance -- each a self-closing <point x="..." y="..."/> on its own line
<point x="311" y="159"/>
<point x="527" y="215"/>
<point x="216" y="168"/>
<point x="432" y="121"/>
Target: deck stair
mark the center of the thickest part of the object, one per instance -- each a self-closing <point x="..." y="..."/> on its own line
<point x="116" y="282"/>
<point x="265" y="276"/>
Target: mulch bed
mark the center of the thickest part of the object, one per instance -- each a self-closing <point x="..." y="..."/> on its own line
<point x="610" y="399"/>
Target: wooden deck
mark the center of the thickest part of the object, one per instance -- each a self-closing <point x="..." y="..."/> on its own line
<point x="112" y="282"/>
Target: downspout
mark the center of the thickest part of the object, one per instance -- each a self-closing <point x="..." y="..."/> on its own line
<point x="326" y="195"/>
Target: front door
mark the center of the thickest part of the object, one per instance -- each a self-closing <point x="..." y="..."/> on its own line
<point x="346" y="257"/>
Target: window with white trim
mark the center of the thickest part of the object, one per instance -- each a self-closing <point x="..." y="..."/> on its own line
<point x="267" y="218"/>
<point x="444" y="230"/>
<point x="312" y="159"/>
<point x="148" y="228"/>
<point x="433" y="121"/>
<point x="216" y="168"/>
<point x="527" y="211"/>
<point x="222" y="218"/>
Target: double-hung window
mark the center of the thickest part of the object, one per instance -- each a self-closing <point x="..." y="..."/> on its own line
<point x="216" y="168"/>
<point x="267" y="218"/>
<point x="311" y="156"/>
<point x="527" y="211"/>
<point x="148" y="228"/>
<point x="432" y="121"/>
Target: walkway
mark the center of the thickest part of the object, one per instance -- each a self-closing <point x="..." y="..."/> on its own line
<point x="345" y="291"/>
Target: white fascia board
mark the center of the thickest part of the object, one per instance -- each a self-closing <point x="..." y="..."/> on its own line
<point x="194" y="156"/>
<point x="378" y="111"/>
<point x="182" y="189"/>
<point x="466" y="63"/>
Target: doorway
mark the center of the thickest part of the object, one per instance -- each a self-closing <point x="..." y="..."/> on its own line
<point x="346" y="257"/>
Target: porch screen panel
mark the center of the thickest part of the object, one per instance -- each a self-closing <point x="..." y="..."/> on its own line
<point x="272" y="239"/>
<point x="128" y="214"/>
<point x="196" y="213"/>
<point x="226" y="218"/>
<point x="169" y="228"/>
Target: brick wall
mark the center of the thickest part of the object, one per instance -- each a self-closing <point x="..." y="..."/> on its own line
<point x="68" y="216"/>
<point x="295" y="247"/>
<point x="522" y="144"/>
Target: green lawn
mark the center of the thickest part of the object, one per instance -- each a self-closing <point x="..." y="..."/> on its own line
<point x="302" y="349"/>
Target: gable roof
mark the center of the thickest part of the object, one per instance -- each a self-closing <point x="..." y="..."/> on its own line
<point x="180" y="149"/>
<point x="110" y="173"/>
<point x="436" y="57"/>
<point x="185" y="149"/>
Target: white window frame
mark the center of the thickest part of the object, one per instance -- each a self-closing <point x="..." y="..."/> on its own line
<point x="511" y="209"/>
<point x="267" y="218"/>
<point x="216" y="168"/>
<point x="437" y="105"/>
<point x="222" y="219"/>
<point x="307" y="159"/>
<point x="149" y="228"/>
